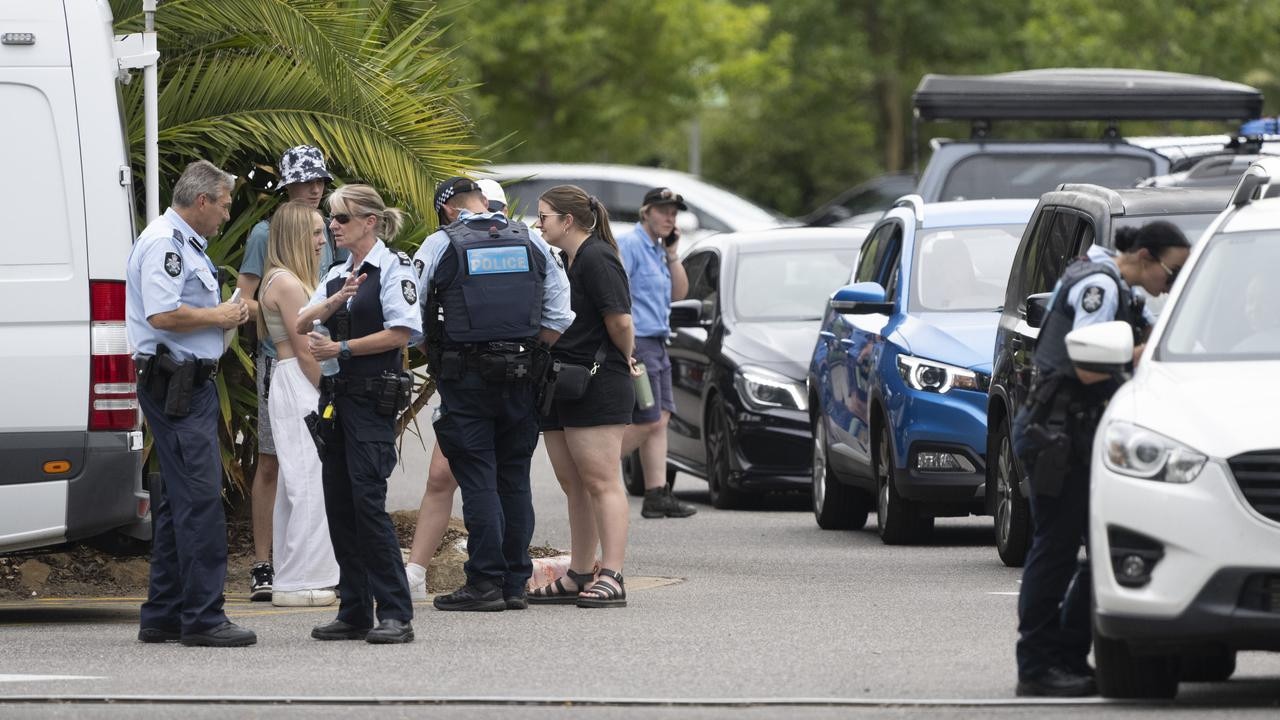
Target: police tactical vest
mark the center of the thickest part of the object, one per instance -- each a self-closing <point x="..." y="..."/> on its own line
<point x="1051" y="346"/>
<point x="495" y="289"/>
<point x="364" y="318"/>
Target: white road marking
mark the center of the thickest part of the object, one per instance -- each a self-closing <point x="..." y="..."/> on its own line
<point x="1003" y="593"/>
<point x="42" y="678"/>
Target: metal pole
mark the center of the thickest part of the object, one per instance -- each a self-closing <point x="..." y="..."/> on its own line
<point x="695" y="146"/>
<point x="150" y="118"/>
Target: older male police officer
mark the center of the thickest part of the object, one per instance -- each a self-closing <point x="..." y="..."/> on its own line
<point x="175" y="323"/>
<point x="495" y="298"/>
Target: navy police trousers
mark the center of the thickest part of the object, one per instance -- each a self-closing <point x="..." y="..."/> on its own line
<point x="189" y="527"/>
<point x="488" y="431"/>
<point x="359" y="457"/>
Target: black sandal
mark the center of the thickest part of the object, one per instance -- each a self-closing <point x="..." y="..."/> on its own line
<point x="601" y="594"/>
<point x="555" y="593"/>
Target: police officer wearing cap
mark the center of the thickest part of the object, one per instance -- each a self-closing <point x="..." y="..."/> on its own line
<point x="369" y="305"/>
<point x="175" y="324"/>
<point x="303" y="177"/>
<point x="1053" y="437"/>
<point x="496" y="297"/>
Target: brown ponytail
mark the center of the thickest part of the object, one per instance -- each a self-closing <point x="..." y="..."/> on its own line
<point x="589" y="214"/>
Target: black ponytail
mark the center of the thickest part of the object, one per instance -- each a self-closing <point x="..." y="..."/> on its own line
<point x="1154" y="237"/>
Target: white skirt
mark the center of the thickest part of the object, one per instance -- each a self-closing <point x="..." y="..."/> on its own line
<point x="301" y="548"/>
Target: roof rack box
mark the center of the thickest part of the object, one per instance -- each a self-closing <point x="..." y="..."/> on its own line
<point x="1084" y="94"/>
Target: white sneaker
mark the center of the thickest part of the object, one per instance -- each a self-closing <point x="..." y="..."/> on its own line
<point x="417" y="587"/>
<point x="303" y="598"/>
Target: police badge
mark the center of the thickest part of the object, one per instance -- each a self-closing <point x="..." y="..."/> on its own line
<point x="173" y="264"/>
<point x="410" y="291"/>
<point x="1092" y="299"/>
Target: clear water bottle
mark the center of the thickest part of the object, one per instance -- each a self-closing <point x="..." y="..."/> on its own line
<point x="330" y="366"/>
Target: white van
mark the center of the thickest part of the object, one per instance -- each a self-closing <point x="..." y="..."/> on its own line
<point x="70" y="430"/>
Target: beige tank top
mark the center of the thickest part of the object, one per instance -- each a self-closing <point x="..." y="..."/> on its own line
<point x="275" y="322"/>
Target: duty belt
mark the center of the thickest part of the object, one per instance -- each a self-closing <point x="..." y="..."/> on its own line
<point x="357" y="385"/>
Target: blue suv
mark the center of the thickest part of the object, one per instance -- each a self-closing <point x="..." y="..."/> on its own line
<point x="898" y="380"/>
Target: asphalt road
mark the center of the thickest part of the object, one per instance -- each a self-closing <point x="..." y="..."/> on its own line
<point x="768" y="617"/>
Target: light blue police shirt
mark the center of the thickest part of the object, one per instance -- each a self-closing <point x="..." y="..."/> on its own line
<point x="646" y="263"/>
<point x="398" y="294"/>
<point x="556" y="315"/>
<point x="167" y="268"/>
<point x="1095" y="298"/>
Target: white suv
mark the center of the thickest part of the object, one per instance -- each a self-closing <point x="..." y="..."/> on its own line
<point x="1185" y="526"/>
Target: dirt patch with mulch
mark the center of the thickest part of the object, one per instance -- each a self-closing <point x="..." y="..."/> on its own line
<point x="83" y="571"/>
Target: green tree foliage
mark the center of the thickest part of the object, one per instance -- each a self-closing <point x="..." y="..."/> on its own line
<point x="241" y="80"/>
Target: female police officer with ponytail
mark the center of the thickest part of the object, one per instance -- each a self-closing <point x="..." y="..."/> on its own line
<point x="369" y="304"/>
<point x="1053" y="436"/>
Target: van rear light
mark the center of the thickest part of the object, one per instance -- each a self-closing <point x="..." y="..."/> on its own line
<point x="113" y="384"/>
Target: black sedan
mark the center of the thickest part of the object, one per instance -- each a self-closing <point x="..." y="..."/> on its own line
<point x="739" y="353"/>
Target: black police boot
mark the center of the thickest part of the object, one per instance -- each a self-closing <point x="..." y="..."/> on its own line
<point x="659" y="502"/>
<point x="472" y="598"/>
<point x="338" y="630"/>
<point x="1058" y="682"/>
<point x="517" y="601"/>
<point x="390" y="632"/>
<point x="228" y="634"/>
<point x="158" y="635"/>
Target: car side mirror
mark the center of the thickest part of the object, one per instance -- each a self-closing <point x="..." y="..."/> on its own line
<point x="686" y="313"/>
<point x="865" y="298"/>
<point x="1105" y="347"/>
<point x="1037" y="308"/>
<point x="687" y="222"/>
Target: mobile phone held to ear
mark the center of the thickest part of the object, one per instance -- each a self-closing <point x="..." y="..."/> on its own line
<point x="671" y="239"/>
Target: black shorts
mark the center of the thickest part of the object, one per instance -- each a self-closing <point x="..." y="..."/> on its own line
<point x="610" y="398"/>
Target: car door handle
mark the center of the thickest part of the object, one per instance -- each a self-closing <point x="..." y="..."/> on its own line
<point x="826" y="335"/>
<point x="846" y="342"/>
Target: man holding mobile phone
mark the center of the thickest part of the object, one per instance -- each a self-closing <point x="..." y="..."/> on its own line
<point x="651" y="256"/>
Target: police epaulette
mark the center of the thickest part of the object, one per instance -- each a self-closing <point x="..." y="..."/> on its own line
<point x="404" y="258"/>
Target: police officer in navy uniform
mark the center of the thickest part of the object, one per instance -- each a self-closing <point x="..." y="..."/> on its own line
<point x="496" y="297"/>
<point x="175" y="324"/>
<point x="1053" y="436"/>
<point x="369" y="305"/>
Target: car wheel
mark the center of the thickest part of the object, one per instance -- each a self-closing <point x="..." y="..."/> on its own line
<point x="633" y="474"/>
<point x="836" y="506"/>
<point x="1012" y="512"/>
<point x="901" y="522"/>
<point x="1214" y="666"/>
<point x="718" y="468"/>
<point x="1121" y="674"/>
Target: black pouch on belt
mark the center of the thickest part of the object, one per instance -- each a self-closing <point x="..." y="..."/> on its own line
<point x="387" y="394"/>
<point x="181" y="381"/>
<point x="317" y="432"/>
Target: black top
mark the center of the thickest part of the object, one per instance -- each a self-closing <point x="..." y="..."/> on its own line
<point x="1084" y="94"/>
<point x="597" y="286"/>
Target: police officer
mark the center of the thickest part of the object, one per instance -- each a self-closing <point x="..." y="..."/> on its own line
<point x="1053" y="436"/>
<point x="495" y="298"/>
<point x="369" y="305"/>
<point x="175" y="323"/>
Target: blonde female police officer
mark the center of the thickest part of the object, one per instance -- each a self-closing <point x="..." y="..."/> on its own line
<point x="175" y="324"/>
<point x="1053" y="435"/>
<point x="369" y="304"/>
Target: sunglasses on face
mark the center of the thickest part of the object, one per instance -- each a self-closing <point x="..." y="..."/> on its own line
<point x="1171" y="273"/>
<point x="542" y="217"/>
<point x="344" y="218"/>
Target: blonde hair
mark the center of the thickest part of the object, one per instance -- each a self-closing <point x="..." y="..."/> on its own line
<point x="290" y="248"/>
<point x="364" y="199"/>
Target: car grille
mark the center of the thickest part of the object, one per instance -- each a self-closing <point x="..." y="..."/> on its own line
<point x="1258" y="475"/>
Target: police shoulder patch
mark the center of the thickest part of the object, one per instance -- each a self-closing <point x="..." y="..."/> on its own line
<point x="404" y="258"/>
<point x="410" y="291"/>
<point x="1091" y="300"/>
<point x="418" y="266"/>
<point x="173" y="264"/>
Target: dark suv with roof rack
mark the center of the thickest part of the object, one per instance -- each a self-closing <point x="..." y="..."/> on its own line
<point x="1065" y="224"/>
<point x="986" y="167"/>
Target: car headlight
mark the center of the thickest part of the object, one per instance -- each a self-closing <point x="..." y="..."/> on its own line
<point x="1138" y="452"/>
<point x="933" y="376"/>
<point x="763" y="389"/>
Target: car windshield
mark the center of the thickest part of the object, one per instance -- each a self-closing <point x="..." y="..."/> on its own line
<point x="791" y="284"/>
<point x="1228" y="309"/>
<point x="1000" y="175"/>
<point x="963" y="268"/>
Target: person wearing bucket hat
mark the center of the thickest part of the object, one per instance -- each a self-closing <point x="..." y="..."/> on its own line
<point x="303" y="178"/>
<point x="651" y="256"/>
